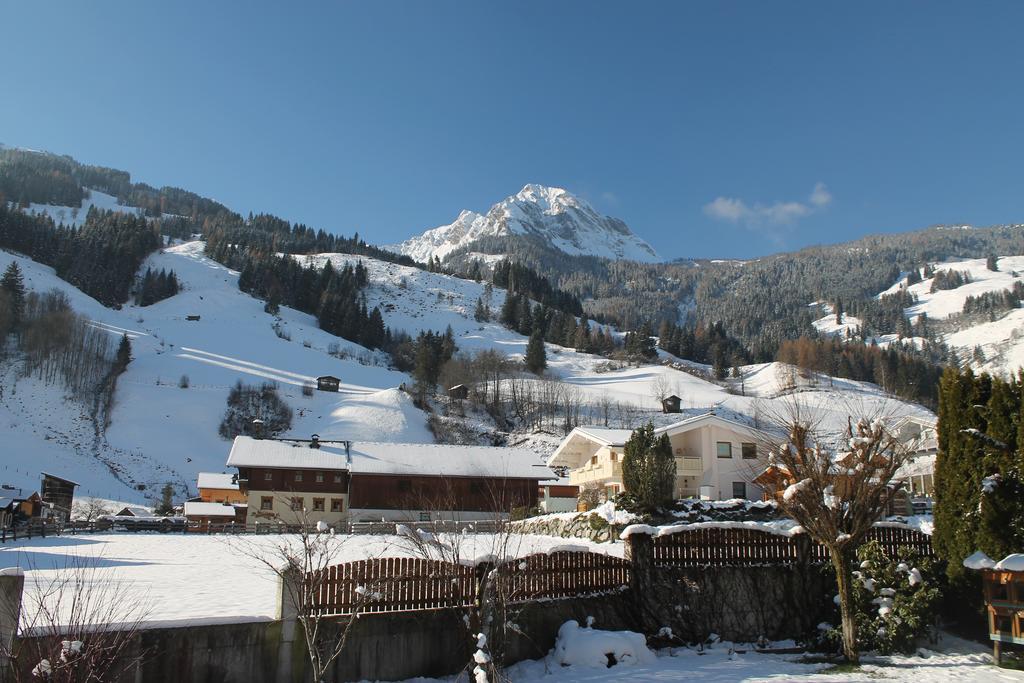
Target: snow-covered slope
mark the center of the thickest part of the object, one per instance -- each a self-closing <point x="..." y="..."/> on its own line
<point x="551" y="214"/>
<point x="160" y="432"/>
<point x="75" y="215"/>
<point x="1001" y="340"/>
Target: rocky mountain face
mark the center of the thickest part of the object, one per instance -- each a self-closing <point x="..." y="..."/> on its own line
<point x="548" y="215"/>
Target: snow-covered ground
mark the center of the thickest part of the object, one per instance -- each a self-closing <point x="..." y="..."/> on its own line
<point x="1002" y="340"/>
<point x="187" y="578"/>
<point x="75" y="216"/>
<point x="953" y="660"/>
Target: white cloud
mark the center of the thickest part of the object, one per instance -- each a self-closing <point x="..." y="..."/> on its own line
<point x="733" y="210"/>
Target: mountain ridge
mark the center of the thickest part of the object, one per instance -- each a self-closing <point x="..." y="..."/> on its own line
<point x="552" y="214"/>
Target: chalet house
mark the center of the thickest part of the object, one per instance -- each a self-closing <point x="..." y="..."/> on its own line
<point x="920" y="437"/>
<point x="59" y="495"/>
<point x="368" y="481"/>
<point x="716" y="458"/>
<point x="16" y="508"/>
<point x="328" y="383"/>
<point x="215" y="487"/>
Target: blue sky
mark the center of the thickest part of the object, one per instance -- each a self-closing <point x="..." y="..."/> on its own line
<point x="729" y="129"/>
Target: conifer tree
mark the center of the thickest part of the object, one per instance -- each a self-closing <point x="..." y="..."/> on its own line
<point x="536" y="355"/>
<point x="14" y="285"/>
<point x="124" y="354"/>
<point x="649" y="469"/>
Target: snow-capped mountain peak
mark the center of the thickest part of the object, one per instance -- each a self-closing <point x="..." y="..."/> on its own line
<point x="550" y="214"/>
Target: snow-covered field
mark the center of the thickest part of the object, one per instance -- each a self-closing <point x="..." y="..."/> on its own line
<point x="188" y="578"/>
<point x="952" y="661"/>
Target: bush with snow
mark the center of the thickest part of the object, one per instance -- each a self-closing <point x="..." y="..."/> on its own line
<point x="896" y="600"/>
<point x="589" y="647"/>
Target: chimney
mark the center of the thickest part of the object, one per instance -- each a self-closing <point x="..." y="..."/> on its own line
<point x="348" y="452"/>
<point x="314" y="441"/>
<point x="257" y="428"/>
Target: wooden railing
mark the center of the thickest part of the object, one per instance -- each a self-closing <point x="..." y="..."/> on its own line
<point x="722" y="546"/>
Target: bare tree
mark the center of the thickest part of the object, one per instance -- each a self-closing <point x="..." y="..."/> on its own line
<point x="78" y="625"/>
<point x="88" y="509"/>
<point x="301" y="562"/>
<point x="838" y="487"/>
<point x="661" y="387"/>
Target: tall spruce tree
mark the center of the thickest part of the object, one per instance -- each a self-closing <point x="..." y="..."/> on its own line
<point x="649" y="469"/>
<point x="124" y="354"/>
<point x="13" y="283"/>
<point x="536" y="355"/>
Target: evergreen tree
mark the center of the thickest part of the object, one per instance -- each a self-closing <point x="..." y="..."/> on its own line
<point x="124" y="354"/>
<point x="992" y="263"/>
<point x="649" y="470"/>
<point x="536" y="355"/>
<point x="166" y="506"/>
<point x="14" y="285"/>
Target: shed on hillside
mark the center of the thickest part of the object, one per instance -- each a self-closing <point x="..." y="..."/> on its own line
<point x="459" y="392"/>
<point x="328" y="383"/>
<point x="671" y="404"/>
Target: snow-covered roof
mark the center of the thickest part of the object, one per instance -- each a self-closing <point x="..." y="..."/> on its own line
<point x="364" y="457"/>
<point x="136" y="511"/>
<point x="216" y="480"/>
<point x="197" y="509"/>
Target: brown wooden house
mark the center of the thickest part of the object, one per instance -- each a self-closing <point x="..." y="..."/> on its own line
<point x="671" y="404"/>
<point x="334" y="481"/>
<point x="328" y="383"/>
<point x="59" y="495"/>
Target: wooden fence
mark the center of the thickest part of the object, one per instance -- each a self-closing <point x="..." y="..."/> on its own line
<point x="718" y="546"/>
<point x="393" y="584"/>
<point x="400" y="584"/>
<point x="561" y="575"/>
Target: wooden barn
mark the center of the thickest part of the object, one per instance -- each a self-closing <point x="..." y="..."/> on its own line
<point x="671" y="404"/>
<point x="460" y="392"/>
<point x="328" y="383"/>
<point x="370" y="481"/>
<point x="59" y="495"/>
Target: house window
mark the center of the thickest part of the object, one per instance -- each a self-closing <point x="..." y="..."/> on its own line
<point x="337" y="505"/>
<point x="266" y="502"/>
<point x="405" y="485"/>
<point x="297" y="504"/>
<point x="724" y="449"/>
<point x="593" y="460"/>
<point x="739" y="489"/>
<point x="298" y="476"/>
<point x="424" y="516"/>
<point x="268" y="476"/>
<point x="318" y="505"/>
<point x="614" y="456"/>
<point x="749" y="451"/>
<point x="337" y="478"/>
<point x="319" y="476"/>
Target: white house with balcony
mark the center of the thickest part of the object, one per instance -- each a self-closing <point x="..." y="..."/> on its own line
<point x="716" y="458"/>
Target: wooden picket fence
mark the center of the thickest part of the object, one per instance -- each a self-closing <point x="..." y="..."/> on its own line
<point x="561" y="575"/>
<point x="718" y="546"/>
<point x="402" y="584"/>
<point x="393" y="584"/>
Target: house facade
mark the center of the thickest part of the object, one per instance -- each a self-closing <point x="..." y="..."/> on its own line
<point x="216" y="487"/>
<point x="289" y="481"/>
<point x="716" y="458"/>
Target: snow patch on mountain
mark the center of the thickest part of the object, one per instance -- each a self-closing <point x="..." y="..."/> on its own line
<point x="552" y="214"/>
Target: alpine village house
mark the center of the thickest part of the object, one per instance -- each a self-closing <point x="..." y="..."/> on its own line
<point x="716" y="458"/>
<point x="335" y="481"/>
